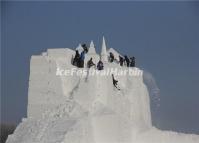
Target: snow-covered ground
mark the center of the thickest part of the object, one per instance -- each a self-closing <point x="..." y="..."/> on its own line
<point x="87" y="109"/>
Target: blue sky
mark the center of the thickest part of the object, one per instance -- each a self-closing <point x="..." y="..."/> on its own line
<point x="163" y="36"/>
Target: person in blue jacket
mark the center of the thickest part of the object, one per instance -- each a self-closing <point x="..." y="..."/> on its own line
<point x="82" y="57"/>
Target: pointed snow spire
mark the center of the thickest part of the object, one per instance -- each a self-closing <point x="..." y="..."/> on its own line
<point x="103" y="55"/>
<point x="79" y="48"/>
<point x="92" y="48"/>
<point x="92" y="44"/>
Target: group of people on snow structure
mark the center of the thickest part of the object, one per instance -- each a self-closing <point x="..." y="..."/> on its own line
<point x="79" y="62"/>
<point x="130" y="62"/>
<point x="79" y="59"/>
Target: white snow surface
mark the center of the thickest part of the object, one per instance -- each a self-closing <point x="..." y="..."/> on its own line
<point x="87" y="109"/>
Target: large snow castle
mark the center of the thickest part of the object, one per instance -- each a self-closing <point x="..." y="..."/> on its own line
<point x="87" y="109"/>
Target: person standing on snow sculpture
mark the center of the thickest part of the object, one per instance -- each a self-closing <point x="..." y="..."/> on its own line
<point x="82" y="57"/>
<point x="121" y="60"/>
<point x="85" y="48"/>
<point x="127" y="60"/>
<point x="76" y="59"/>
<point x="132" y="62"/>
<point x="100" y="65"/>
<point x="115" y="82"/>
<point x="90" y="63"/>
<point x="111" y="57"/>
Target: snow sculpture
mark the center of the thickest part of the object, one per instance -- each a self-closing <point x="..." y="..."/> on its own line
<point x="87" y="109"/>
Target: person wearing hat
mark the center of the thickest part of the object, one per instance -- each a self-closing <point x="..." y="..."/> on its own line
<point x="121" y="60"/>
<point x="132" y="62"/>
<point x="111" y="57"/>
<point x="90" y="63"/>
<point x="100" y="65"/>
<point x="126" y="60"/>
<point x="85" y="48"/>
<point x="76" y="59"/>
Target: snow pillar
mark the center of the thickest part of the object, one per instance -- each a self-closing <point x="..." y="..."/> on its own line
<point x="103" y="55"/>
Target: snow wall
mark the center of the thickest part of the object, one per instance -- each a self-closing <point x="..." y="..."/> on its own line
<point x="87" y="109"/>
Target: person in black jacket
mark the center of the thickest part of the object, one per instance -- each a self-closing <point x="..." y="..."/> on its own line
<point x="111" y="57"/>
<point x="132" y="62"/>
<point x="90" y="63"/>
<point x="76" y="59"/>
<point x="100" y="65"/>
<point x="121" y="60"/>
<point x="115" y="82"/>
<point x="127" y="60"/>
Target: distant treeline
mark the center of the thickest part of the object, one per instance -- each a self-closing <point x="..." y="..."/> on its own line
<point x="6" y="129"/>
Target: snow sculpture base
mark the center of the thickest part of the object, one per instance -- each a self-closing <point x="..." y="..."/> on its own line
<point x="77" y="109"/>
